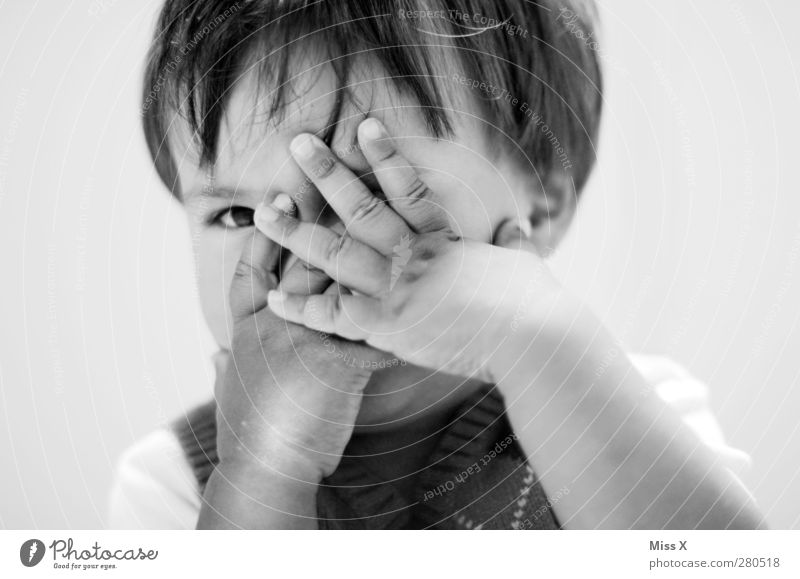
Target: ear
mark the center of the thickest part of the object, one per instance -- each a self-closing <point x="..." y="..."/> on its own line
<point x="549" y="203"/>
<point x="553" y="209"/>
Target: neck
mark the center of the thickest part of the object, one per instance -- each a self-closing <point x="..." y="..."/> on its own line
<point x="403" y="415"/>
<point x="398" y="455"/>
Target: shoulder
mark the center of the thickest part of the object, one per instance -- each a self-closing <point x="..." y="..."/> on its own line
<point x="689" y="397"/>
<point x="154" y="486"/>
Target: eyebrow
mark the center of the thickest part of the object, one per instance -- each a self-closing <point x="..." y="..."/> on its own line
<point x="211" y="191"/>
<point x="216" y="192"/>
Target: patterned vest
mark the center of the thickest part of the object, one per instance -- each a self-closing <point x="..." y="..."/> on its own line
<point x="479" y="478"/>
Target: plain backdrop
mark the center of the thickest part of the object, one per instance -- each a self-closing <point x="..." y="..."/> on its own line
<point x="687" y="241"/>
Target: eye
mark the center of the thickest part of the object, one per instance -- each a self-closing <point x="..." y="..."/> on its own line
<point x="234" y="217"/>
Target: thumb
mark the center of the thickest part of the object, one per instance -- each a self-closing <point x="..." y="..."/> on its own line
<point x="254" y="276"/>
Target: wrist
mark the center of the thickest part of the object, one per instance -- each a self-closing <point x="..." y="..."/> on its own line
<point x="284" y="473"/>
<point x="545" y="336"/>
<point x="271" y="452"/>
<point x="252" y="496"/>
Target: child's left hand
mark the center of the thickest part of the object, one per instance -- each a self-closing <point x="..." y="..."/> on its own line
<point x="422" y="292"/>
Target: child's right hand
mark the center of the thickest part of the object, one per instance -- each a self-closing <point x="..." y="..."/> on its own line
<point x="289" y="397"/>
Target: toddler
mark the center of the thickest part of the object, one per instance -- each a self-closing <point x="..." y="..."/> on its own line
<point x="372" y="188"/>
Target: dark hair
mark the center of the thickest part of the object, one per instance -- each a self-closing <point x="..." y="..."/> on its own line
<point x="541" y="54"/>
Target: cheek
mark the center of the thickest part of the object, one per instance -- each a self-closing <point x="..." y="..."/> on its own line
<point x="470" y="215"/>
<point x="473" y="193"/>
<point x="476" y="196"/>
<point x="216" y="255"/>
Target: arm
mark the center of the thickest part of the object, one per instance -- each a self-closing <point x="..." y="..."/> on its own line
<point x="286" y="406"/>
<point x="248" y="496"/>
<point x="476" y="310"/>
<point x="601" y="431"/>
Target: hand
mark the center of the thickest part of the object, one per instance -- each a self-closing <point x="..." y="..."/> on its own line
<point x="290" y="396"/>
<point x="424" y="293"/>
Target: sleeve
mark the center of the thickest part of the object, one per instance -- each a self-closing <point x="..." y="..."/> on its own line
<point x="689" y="398"/>
<point x="154" y="486"/>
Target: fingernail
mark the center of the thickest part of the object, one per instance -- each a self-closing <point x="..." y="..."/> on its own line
<point x="274" y="299"/>
<point x="372" y="129"/>
<point x="526" y="228"/>
<point x="302" y="146"/>
<point x="284" y="203"/>
<point x="266" y="213"/>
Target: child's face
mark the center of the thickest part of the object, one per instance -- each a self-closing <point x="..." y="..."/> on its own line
<point x="477" y="189"/>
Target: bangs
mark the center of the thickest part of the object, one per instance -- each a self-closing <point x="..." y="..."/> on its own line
<point x="205" y="47"/>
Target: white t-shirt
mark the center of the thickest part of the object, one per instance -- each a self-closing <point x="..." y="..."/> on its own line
<point x="155" y="487"/>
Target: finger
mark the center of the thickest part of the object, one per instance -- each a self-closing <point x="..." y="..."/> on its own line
<point x="304" y="278"/>
<point x="405" y="191"/>
<point x="253" y="276"/>
<point x="367" y="218"/>
<point x="514" y="234"/>
<point x="347" y="316"/>
<point x="341" y="257"/>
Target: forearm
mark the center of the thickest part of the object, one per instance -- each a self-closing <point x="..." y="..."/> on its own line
<point x="255" y="498"/>
<point x="590" y="423"/>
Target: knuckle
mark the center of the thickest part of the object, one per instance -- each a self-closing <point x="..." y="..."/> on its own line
<point x="310" y="271"/>
<point x="345" y="244"/>
<point x="335" y="247"/>
<point x="394" y="309"/>
<point x="290" y="227"/>
<point x="366" y="208"/>
<point x="331" y="250"/>
<point x="302" y="269"/>
<point x="333" y="307"/>
<point x="312" y="317"/>
<point x="245" y="271"/>
<point x="245" y="337"/>
<point x="326" y="167"/>
<point x="321" y="312"/>
<point x="304" y="265"/>
<point x="386" y="153"/>
<point x="295" y="337"/>
<point x="417" y="192"/>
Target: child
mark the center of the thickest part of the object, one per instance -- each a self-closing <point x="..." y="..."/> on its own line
<point x="371" y="187"/>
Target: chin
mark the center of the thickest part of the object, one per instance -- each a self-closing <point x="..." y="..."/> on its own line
<point x="395" y="397"/>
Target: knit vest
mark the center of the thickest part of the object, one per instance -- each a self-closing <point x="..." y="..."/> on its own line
<point x="478" y="478"/>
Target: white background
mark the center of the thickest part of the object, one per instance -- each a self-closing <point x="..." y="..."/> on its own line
<point x="687" y="242"/>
